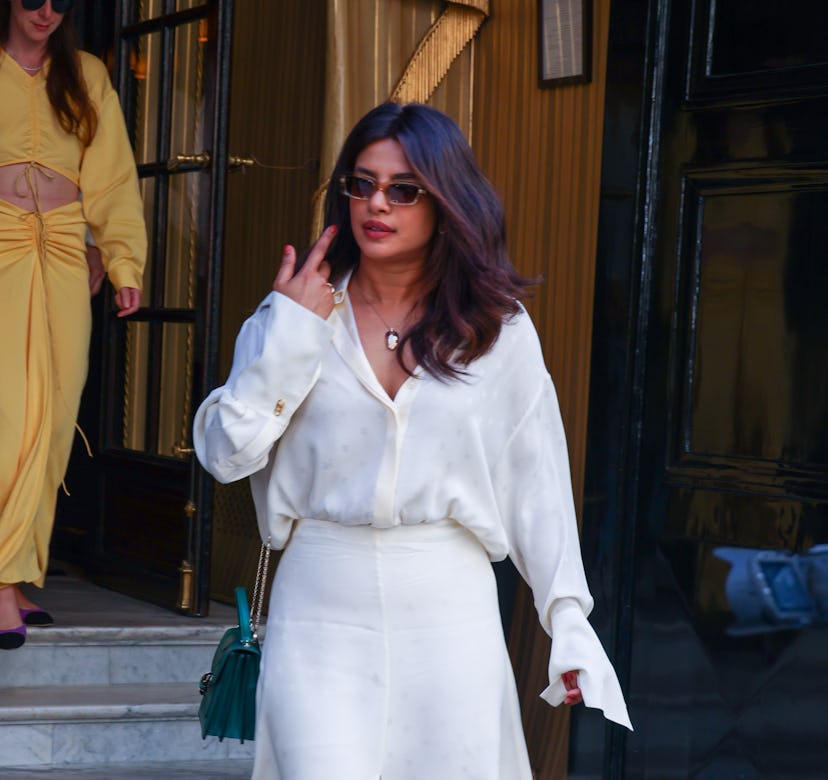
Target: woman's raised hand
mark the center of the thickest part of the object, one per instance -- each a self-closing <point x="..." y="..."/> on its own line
<point x="309" y="286"/>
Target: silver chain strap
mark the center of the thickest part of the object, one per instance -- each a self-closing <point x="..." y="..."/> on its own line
<point x="259" y="588"/>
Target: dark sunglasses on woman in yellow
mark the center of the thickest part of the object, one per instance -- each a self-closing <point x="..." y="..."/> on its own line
<point x="397" y="193"/>
<point x="58" y="6"/>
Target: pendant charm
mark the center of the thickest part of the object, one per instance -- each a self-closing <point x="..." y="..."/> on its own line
<point x="392" y="338"/>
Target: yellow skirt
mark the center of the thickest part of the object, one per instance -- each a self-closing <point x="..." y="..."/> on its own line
<point x="45" y="320"/>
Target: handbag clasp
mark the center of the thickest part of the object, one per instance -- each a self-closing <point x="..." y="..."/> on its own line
<point x="205" y="683"/>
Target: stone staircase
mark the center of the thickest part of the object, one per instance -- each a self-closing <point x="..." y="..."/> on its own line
<point x="111" y="691"/>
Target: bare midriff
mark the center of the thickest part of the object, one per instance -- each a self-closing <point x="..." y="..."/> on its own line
<point x="34" y="187"/>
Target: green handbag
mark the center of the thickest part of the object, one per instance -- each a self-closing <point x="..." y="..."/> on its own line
<point x="228" y="706"/>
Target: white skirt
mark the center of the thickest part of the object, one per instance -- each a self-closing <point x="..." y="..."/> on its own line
<point x="384" y="658"/>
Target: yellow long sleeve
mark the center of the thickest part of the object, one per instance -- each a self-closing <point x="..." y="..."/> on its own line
<point x="109" y="186"/>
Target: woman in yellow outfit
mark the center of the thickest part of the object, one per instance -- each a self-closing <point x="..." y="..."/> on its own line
<point x="62" y="138"/>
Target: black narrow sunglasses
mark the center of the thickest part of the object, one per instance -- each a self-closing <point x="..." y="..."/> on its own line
<point x="58" y="6"/>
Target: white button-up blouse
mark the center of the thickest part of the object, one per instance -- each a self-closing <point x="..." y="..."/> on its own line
<point x="487" y="451"/>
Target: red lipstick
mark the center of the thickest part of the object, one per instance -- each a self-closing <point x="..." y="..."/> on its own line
<point x="373" y="228"/>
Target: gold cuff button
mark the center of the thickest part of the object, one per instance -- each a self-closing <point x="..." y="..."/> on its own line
<point x="280" y="407"/>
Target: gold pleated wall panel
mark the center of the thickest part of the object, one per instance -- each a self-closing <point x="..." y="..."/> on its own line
<point x="276" y="105"/>
<point x="541" y="148"/>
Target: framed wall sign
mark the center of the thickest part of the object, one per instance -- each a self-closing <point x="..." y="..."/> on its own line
<point x="564" y="37"/>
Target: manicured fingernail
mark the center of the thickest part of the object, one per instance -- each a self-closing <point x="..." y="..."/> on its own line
<point x="285" y="249"/>
<point x="333" y="230"/>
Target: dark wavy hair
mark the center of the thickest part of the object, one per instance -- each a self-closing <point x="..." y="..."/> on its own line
<point x="64" y="85"/>
<point x="472" y="288"/>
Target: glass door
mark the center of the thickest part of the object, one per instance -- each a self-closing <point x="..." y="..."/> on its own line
<point x="171" y="67"/>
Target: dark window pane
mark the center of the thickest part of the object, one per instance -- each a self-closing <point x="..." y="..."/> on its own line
<point x="750" y="36"/>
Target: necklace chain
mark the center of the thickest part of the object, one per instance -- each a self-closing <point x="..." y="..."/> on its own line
<point x="29" y="68"/>
<point x="392" y="335"/>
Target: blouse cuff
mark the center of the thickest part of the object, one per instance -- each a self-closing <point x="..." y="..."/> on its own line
<point x="282" y="375"/>
<point x="125" y="272"/>
<point x="576" y="647"/>
<point x="275" y="365"/>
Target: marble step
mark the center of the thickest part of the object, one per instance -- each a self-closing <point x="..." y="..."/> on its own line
<point x="91" y="725"/>
<point x="238" y="769"/>
<point x="108" y="655"/>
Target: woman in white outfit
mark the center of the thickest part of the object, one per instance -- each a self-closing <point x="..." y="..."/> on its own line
<point x="390" y="403"/>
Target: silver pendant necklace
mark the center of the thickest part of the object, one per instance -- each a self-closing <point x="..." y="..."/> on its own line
<point x="392" y="335"/>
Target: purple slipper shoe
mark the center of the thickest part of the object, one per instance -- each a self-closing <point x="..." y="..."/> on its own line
<point x="36" y="617"/>
<point x="12" y="638"/>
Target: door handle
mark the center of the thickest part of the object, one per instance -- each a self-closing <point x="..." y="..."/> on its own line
<point x="199" y="160"/>
<point x="203" y="160"/>
<point x="237" y="163"/>
<point x="180" y="451"/>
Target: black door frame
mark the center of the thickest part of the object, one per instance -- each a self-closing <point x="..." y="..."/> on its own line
<point x="628" y="205"/>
